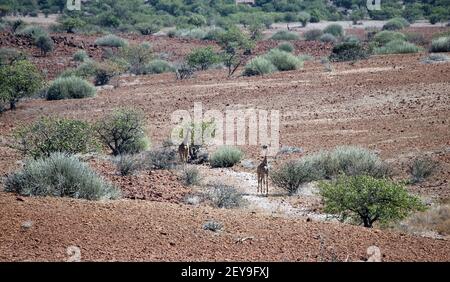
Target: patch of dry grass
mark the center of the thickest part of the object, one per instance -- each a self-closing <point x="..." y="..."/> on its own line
<point x="435" y="219"/>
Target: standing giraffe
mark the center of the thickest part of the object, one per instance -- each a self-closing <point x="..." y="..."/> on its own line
<point x="263" y="175"/>
<point x="183" y="149"/>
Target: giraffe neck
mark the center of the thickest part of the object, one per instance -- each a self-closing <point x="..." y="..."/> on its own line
<point x="186" y="138"/>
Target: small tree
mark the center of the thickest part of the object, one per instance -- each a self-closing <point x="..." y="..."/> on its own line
<point x="72" y="24"/>
<point x="147" y="28"/>
<point x="18" y="80"/>
<point x="49" y="135"/>
<point x="236" y="47"/>
<point x="304" y="18"/>
<point x="348" y="51"/>
<point x="122" y="132"/>
<point x="196" y="20"/>
<point x="45" y="44"/>
<point x="202" y="58"/>
<point x="255" y="29"/>
<point x="138" y="56"/>
<point x="366" y="199"/>
<point x="334" y="29"/>
<point x="421" y="168"/>
<point x="356" y="16"/>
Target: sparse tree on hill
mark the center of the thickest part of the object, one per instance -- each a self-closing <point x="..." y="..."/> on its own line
<point x="236" y="47"/>
<point x="18" y="80"/>
<point x="45" y="44"/>
<point x="365" y="199"/>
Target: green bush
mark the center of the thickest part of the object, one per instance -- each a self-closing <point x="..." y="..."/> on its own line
<point x="17" y="25"/>
<point x="441" y="44"/>
<point x="137" y="56"/>
<point x="421" y="168"/>
<point x="417" y="38"/>
<point x="162" y="158"/>
<point x="226" y="157"/>
<point x="365" y="199"/>
<point x="70" y="25"/>
<point x="106" y="70"/>
<point x="350" y="161"/>
<point x="158" y="66"/>
<point x="201" y="33"/>
<point x="111" y="40"/>
<point x="285" y="35"/>
<point x="351" y="39"/>
<point x="49" y="135"/>
<point x="70" y="88"/>
<point x="45" y="44"/>
<point x="397" y="47"/>
<point x="33" y="32"/>
<point x="327" y="165"/>
<point x="191" y="176"/>
<point x="196" y="20"/>
<point x="335" y="30"/>
<point x="286" y="47"/>
<point x="147" y="28"/>
<point x="313" y="34"/>
<point x="304" y="18"/>
<point x="18" y="80"/>
<point x="386" y="36"/>
<point x="102" y="76"/>
<point x="214" y="34"/>
<point x="329" y="38"/>
<point x="396" y="24"/>
<point x="283" y="61"/>
<point x="128" y="164"/>
<point x="348" y="51"/>
<point x="292" y="174"/>
<point x="202" y="58"/>
<point x="80" y="56"/>
<point x="86" y="70"/>
<point x="224" y="196"/>
<point x="10" y="55"/>
<point x="305" y="57"/>
<point x="122" y="132"/>
<point x="60" y="176"/>
<point x="259" y="66"/>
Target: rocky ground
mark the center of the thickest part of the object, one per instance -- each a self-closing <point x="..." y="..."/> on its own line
<point x="42" y="229"/>
<point x="395" y="105"/>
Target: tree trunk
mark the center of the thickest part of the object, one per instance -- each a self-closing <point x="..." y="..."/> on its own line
<point x="367" y="222"/>
<point x="12" y="105"/>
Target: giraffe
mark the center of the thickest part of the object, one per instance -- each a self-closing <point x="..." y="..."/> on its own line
<point x="183" y="149"/>
<point x="263" y="175"/>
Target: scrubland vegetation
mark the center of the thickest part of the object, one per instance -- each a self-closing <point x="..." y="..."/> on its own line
<point x="103" y="152"/>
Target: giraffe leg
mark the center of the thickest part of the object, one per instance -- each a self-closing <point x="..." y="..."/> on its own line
<point x="259" y="184"/>
<point x="267" y="185"/>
